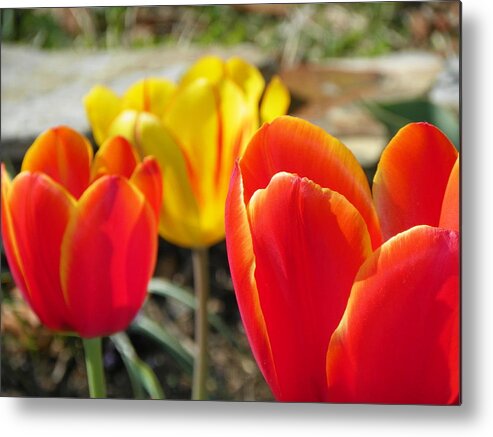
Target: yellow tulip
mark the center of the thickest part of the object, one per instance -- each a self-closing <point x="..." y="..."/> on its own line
<point x="195" y="129"/>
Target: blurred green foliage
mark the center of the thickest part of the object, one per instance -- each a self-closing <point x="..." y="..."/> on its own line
<point x="40" y="29"/>
<point x="315" y="31"/>
<point x="395" y="115"/>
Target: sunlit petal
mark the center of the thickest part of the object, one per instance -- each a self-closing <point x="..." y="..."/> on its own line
<point x="148" y="179"/>
<point x="211" y="68"/>
<point x="449" y="215"/>
<point x="64" y="155"/>
<point x="242" y="265"/>
<point x="308" y="243"/>
<point x="411" y="178"/>
<point x="399" y="339"/>
<point x="150" y="95"/>
<point x="108" y="255"/>
<point x="116" y="156"/>
<point x="293" y="145"/>
<point x="247" y="77"/>
<point x="39" y="210"/>
<point x="179" y="217"/>
<point x="102" y="106"/>
<point x="276" y="100"/>
<point x="9" y="239"/>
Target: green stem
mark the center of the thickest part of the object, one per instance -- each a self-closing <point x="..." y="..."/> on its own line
<point x="201" y="285"/>
<point x="94" y="366"/>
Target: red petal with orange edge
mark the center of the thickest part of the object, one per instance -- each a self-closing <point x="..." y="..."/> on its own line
<point x="115" y="157"/>
<point x="295" y="146"/>
<point x="309" y="244"/>
<point x="398" y="341"/>
<point x="39" y="211"/>
<point x="149" y="180"/>
<point x="449" y="217"/>
<point x="8" y="235"/>
<point x="411" y="178"/>
<point x="108" y="256"/>
<point x="64" y="155"/>
<point x="242" y="265"/>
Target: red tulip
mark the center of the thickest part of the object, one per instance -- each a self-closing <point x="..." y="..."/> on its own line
<point x="81" y="239"/>
<point x="330" y="313"/>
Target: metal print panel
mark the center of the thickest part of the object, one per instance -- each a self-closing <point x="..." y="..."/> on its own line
<point x="232" y="202"/>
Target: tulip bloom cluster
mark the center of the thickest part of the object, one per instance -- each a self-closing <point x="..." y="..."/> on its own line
<point x="79" y="233"/>
<point x="345" y="296"/>
<point x="195" y="129"/>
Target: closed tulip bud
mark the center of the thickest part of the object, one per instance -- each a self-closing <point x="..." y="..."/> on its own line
<point x="79" y="233"/>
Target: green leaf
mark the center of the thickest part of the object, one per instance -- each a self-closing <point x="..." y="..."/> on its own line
<point x="397" y="114"/>
<point x="164" y="288"/>
<point x="146" y="326"/>
<point x="142" y="377"/>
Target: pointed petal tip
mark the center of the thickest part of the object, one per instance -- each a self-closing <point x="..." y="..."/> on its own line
<point x="63" y="154"/>
<point x="411" y="178"/>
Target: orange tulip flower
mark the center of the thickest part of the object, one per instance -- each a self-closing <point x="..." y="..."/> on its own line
<point x="79" y="233"/>
<point x="331" y="313"/>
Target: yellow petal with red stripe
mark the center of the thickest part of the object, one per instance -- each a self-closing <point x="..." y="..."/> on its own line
<point x="194" y="121"/>
<point x="64" y="155"/>
<point x="247" y="77"/>
<point x="150" y="95"/>
<point x="179" y="217"/>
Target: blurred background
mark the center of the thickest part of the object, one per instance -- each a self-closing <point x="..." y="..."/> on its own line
<point x="359" y="70"/>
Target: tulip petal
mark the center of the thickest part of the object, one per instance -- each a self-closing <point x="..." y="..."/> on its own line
<point x="276" y="100"/>
<point x="115" y="157"/>
<point x="296" y="146"/>
<point x="242" y="265"/>
<point x="211" y="68"/>
<point x="309" y="243"/>
<point x="37" y="215"/>
<point x="125" y="125"/>
<point x="179" y="217"/>
<point x="102" y="106"/>
<point x="64" y="155"/>
<point x="236" y="125"/>
<point x="150" y="95"/>
<point x="398" y="341"/>
<point x="194" y="120"/>
<point x="108" y="256"/>
<point x="8" y="235"/>
<point x="449" y="216"/>
<point x="411" y="178"/>
<point x="247" y="77"/>
<point x="149" y="179"/>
